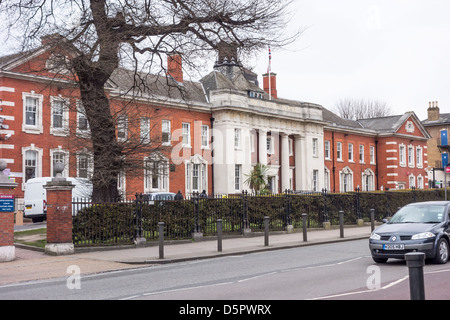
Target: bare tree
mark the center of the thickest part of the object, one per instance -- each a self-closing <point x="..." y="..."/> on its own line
<point x="362" y="108"/>
<point x="104" y="35"/>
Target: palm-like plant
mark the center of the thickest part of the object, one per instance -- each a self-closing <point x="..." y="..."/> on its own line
<point x="257" y="178"/>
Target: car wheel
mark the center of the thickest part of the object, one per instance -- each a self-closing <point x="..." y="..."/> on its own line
<point x="441" y="252"/>
<point x="380" y="260"/>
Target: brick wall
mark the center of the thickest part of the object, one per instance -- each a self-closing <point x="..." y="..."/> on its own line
<point x="59" y="216"/>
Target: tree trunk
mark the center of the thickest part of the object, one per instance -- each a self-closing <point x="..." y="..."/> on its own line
<point x="106" y="150"/>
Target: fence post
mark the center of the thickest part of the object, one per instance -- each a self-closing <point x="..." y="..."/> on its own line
<point x="161" y="240"/>
<point x="198" y="235"/>
<point x="246" y="224"/>
<point x="139" y="238"/>
<point x="415" y="262"/>
<point x="305" y="236"/>
<point x="326" y="223"/>
<point x="289" y="226"/>
<point x="219" y="235"/>
<point x="341" y="223"/>
<point x="266" y="231"/>
<point x="372" y="219"/>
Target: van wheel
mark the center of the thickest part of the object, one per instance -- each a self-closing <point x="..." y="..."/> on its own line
<point x="35" y="220"/>
<point x="441" y="252"/>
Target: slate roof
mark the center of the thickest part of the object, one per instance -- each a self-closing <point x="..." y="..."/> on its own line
<point x="150" y="85"/>
<point x="444" y="118"/>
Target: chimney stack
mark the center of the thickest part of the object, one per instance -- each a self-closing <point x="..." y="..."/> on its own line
<point x="175" y="67"/>
<point x="270" y="84"/>
<point x="433" y="111"/>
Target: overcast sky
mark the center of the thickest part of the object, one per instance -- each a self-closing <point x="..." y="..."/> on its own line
<point x="396" y="51"/>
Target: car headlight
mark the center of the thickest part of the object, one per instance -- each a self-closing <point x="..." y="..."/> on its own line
<point x="375" y="236"/>
<point x="423" y="235"/>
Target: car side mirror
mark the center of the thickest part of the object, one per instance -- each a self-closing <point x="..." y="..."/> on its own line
<point x="385" y="220"/>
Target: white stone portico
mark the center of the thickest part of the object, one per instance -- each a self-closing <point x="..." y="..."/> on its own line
<point x="248" y="131"/>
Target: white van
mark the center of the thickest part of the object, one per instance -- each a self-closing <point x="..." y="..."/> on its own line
<point x="35" y="198"/>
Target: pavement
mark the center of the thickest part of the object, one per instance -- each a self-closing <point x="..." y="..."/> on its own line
<point x="32" y="265"/>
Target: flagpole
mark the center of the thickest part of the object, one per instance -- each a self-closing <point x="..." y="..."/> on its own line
<point x="269" y="72"/>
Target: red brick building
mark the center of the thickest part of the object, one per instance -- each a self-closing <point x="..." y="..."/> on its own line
<point x="375" y="154"/>
<point x="43" y="122"/>
<point x="171" y="123"/>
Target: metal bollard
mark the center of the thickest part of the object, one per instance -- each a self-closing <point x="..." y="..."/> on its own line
<point x="219" y="235"/>
<point x="305" y="236"/>
<point x="266" y="231"/>
<point x="341" y="223"/>
<point x="415" y="262"/>
<point x="372" y="219"/>
<point x="161" y="240"/>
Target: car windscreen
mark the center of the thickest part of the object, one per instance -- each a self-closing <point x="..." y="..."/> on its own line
<point x="419" y="214"/>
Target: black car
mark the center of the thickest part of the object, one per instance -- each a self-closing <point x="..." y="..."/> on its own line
<point x="418" y="227"/>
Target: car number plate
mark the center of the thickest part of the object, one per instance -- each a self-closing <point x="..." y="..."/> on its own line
<point x="29" y="206"/>
<point x="393" y="247"/>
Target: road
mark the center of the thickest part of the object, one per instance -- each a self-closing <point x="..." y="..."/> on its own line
<point x="331" y="271"/>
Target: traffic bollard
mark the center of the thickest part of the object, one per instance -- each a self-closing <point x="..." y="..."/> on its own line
<point x="305" y="236"/>
<point x="161" y="240"/>
<point x="341" y="223"/>
<point x="266" y="231"/>
<point x="372" y="219"/>
<point x="219" y="235"/>
<point x="415" y="262"/>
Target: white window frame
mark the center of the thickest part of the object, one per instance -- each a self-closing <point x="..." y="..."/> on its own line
<point x="196" y="167"/>
<point x="186" y="134"/>
<point x="339" y="151"/>
<point x="64" y="129"/>
<point x="122" y="127"/>
<point x="39" y="154"/>
<point x="204" y="136"/>
<point x="419" y="157"/>
<point x="420" y="182"/>
<point x="402" y="155"/>
<point x="346" y="180"/>
<point x="411" y="156"/>
<point x="144" y="127"/>
<point x="361" y="153"/>
<point x="89" y="163"/>
<point x="327" y="150"/>
<point x="315" y="147"/>
<point x="411" y="181"/>
<point x="165" y="128"/>
<point x="163" y="174"/>
<point x="37" y="127"/>
<point x="237" y="138"/>
<point x="237" y="177"/>
<point x="81" y="114"/>
<point x="315" y="180"/>
<point x="372" y="154"/>
<point x="368" y="174"/>
<point x="350" y="152"/>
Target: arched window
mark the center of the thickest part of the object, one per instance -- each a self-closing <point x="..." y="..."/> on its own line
<point x="346" y="179"/>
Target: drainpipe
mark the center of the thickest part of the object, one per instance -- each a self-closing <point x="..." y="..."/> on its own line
<point x="334" y="165"/>
<point x="376" y="161"/>
<point x="212" y="154"/>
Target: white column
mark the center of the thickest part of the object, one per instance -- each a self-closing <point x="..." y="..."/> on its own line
<point x="298" y="142"/>
<point x="262" y="146"/>
<point x="284" y="162"/>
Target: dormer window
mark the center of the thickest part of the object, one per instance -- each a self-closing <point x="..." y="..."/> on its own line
<point x="254" y="94"/>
